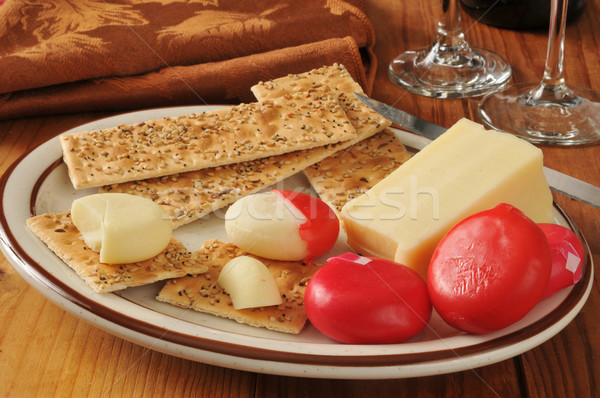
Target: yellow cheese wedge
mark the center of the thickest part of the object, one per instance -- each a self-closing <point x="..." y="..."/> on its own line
<point x="466" y="170"/>
<point x="122" y="228"/>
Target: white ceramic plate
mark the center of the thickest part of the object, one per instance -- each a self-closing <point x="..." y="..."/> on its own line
<point x="38" y="183"/>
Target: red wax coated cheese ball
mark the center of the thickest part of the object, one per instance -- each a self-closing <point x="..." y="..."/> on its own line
<point x="364" y="300"/>
<point x="282" y="225"/>
<point x="568" y="255"/>
<point x="489" y="270"/>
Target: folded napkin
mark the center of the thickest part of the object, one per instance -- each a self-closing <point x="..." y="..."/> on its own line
<point x="62" y="56"/>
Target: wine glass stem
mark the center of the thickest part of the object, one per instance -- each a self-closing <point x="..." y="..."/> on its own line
<point x="553" y="83"/>
<point x="450" y="36"/>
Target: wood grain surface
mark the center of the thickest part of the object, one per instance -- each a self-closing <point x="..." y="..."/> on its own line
<point x="46" y="352"/>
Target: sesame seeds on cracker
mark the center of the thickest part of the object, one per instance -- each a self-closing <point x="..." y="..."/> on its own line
<point x="192" y="142"/>
<point x="203" y="293"/>
<point x="61" y="236"/>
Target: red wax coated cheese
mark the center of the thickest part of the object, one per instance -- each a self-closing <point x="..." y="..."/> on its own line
<point x="567" y="257"/>
<point x="489" y="270"/>
<point x="362" y="300"/>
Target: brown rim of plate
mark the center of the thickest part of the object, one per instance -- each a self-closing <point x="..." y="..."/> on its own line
<point x="112" y="316"/>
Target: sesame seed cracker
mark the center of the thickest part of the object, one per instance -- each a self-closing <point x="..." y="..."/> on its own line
<point x="187" y="197"/>
<point x="190" y="196"/>
<point x="348" y="174"/>
<point x="337" y="79"/>
<point x="59" y="233"/>
<point x="203" y="293"/>
<point x="173" y="145"/>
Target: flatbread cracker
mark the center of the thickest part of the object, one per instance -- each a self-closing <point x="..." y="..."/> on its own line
<point x="203" y="293"/>
<point x="190" y="196"/>
<point x="192" y="142"/>
<point x="336" y="78"/>
<point x="348" y="174"/>
<point x="60" y="235"/>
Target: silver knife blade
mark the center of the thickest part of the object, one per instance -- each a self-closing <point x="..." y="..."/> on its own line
<point x="573" y="188"/>
<point x="559" y="182"/>
<point x="412" y="123"/>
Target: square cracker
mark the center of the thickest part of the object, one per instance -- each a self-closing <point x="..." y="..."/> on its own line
<point x="172" y="145"/>
<point x="203" y="293"/>
<point x="60" y="235"/>
<point x="348" y="174"/>
<point x="337" y="79"/>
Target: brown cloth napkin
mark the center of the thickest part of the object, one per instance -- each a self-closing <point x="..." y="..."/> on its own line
<point x="64" y="56"/>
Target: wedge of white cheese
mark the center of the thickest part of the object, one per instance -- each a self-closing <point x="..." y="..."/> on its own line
<point x="466" y="170"/>
<point x="249" y="283"/>
<point x="122" y="228"/>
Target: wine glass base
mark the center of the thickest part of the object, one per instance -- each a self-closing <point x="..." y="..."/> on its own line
<point x="433" y="73"/>
<point x="573" y="122"/>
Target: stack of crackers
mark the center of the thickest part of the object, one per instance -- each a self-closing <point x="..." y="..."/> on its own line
<point x="194" y="164"/>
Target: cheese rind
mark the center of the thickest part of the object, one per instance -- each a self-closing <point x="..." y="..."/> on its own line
<point x="466" y="170"/>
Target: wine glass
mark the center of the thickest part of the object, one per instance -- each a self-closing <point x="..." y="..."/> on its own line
<point x="547" y="112"/>
<point x="449" y="67"/>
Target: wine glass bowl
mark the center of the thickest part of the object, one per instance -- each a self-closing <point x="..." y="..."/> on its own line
<point x="449" y="67"/>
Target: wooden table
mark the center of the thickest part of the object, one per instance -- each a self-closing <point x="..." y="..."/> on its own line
<point x="45" y="351"/>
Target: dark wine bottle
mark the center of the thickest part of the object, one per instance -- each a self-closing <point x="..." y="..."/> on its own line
<point x="518" y="14"/>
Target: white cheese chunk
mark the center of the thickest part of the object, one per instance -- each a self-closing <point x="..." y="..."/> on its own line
<point x="267" y="225"/>
<point x="466" y="170"/>
<point x="249" y="283"/>
<point x="122" y="228"/>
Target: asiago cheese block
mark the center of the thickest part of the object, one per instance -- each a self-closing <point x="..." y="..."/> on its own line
<point x="466" y="170"/>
